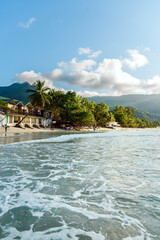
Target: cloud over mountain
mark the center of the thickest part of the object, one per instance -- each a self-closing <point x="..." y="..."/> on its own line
<point x="106" y="77"/>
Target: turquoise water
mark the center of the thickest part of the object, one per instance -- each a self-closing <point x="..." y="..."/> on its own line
<point x="81" y="186"/>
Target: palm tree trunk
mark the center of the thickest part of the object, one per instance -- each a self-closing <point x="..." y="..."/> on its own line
<point x="22" y="119"/>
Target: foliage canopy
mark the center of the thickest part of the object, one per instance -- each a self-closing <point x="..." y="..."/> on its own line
<point x="76" y="110"/>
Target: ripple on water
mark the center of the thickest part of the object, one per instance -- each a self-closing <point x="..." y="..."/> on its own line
<point x="82" y="186"/>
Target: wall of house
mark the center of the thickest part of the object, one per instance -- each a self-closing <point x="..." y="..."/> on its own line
<point x="9" y="120"/>
<point x="11" y="105"/>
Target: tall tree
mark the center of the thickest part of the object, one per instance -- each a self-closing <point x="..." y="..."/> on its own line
<point x="39" y="96"/>
<point x="102" y="114"/>
<point x="56" y="103"/>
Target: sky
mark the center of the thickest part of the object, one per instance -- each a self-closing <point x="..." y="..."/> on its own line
<point x="94" y="47"/>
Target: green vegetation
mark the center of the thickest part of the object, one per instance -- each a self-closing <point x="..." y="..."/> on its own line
<point x="68" y="108"/>
<point x="75" y="110"/>
<point x="125" y="116"/>
<point x="102" y="114"/>
<point x="39" y="96"/>
<point x="146" y="115"/>
<point x="16" y="91"/>
<point x="145" y="106"/>
<point x="3" y="105"/>
<point x="148" y="103"/>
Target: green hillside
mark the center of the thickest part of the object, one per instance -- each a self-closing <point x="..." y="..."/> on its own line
<point x="149" y="103"/>
<point x="4" y="99"/>
<point x="15" y="91"/>
<point x="146" y="115"/>
<point x="142" y="114"/>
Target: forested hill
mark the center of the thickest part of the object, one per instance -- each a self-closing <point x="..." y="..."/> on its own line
<point x="16" y="91"/>
<point x="149" y="103"/>
<point x="146" y="115"/>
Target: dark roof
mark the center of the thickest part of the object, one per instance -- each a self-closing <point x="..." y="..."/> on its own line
<point x="12" y="102"/>
<point x="20" y="103"/>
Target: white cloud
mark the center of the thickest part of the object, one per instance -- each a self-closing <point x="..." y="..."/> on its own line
<point x="27" y="24"/>
<point x="95" y="54"/>
<point x="103" y="78"/>
<point x="90" y="94"/>
<point x="55" y="74"/>
<point x="82" y="65"/>
<point x="147" y="49"/>
<point x="31" y="77"/>
<point x="75" y="65"/>
<point x="136" y="60"/>
<point x="108" y="75"/>
<point x="84" y="51"/>
<point x="89" y="52"/>
<point x="152" y="85"/>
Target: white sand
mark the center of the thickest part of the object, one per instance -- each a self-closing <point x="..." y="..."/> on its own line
<point x="12" y="131"/>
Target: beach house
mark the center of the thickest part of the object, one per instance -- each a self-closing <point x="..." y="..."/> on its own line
<point x="31" y="116"/>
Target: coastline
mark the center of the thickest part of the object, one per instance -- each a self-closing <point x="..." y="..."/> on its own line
<point x="13" y="131"/>
<point x="15" y="134"/>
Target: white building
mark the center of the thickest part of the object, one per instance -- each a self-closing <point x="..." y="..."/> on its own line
<point x="33" y="116"/>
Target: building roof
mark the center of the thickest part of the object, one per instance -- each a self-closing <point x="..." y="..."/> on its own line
<point x="29" y="104"/>
<point x="12" y="102"/>
<point x="20" y="103"/>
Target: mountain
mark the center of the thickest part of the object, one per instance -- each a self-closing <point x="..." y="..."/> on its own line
<point x="146" y="115"/>
<point x="16" y="91"/>
<point x="148" y="103"/>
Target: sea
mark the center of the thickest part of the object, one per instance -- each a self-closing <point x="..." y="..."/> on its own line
<point x="81" y="186"/>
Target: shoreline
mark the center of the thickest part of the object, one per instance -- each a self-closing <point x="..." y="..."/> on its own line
<point x="14" y="131"/>
<point x="14" y="134"/>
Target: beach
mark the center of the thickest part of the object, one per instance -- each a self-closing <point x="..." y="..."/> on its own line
<point x="15" y="134"/>
<point x="16" y="130"/>
<point x="12" y="131"/>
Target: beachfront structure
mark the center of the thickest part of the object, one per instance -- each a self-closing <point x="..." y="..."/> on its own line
<point x="114" y="124"/>
<point x="2" y="118"/>
<point x="35" y="116"/>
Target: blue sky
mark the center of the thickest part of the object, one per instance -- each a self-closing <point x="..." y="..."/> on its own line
<point x="57" y="41"/>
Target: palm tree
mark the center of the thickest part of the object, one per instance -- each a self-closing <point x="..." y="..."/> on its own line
<point x="39" y="96"/>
